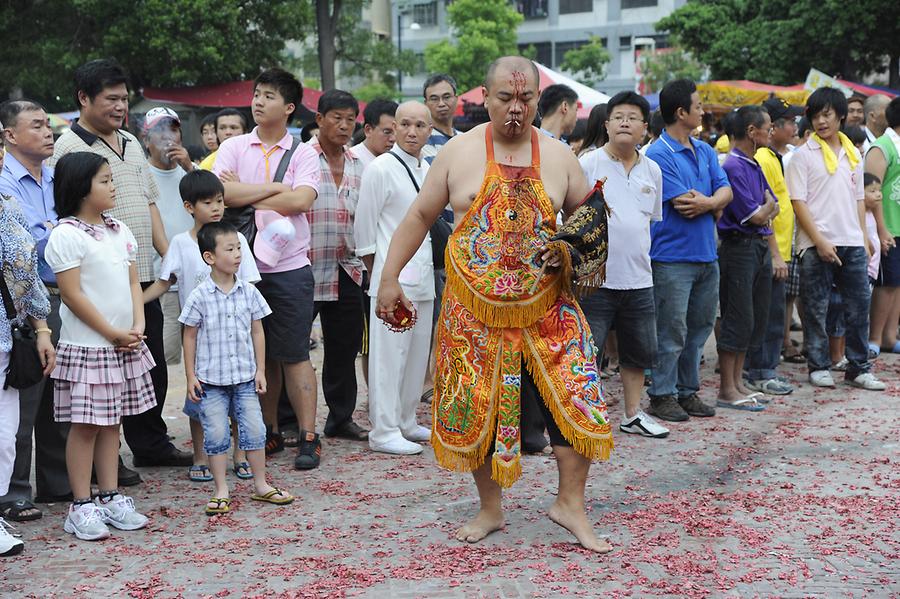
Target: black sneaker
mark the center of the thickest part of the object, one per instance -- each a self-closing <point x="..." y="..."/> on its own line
<point x="309" y="452"/>
<point x="274" y="443"/>
<point x="665" y="407"/>
<point x="694" y="407"/>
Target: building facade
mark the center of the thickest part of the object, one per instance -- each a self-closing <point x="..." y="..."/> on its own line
<point x="552" y="27"/>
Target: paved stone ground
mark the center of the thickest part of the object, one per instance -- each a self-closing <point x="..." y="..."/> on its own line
<point x="798" y="501"/>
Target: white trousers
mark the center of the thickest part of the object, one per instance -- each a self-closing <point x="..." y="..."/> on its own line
<point x="397" y="366"/>
<point x="9" y="424"/>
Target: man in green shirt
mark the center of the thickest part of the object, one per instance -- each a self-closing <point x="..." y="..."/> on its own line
<point x="883" y="161"/>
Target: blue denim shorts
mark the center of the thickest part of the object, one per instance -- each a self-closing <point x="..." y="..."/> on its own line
<point x="239" y="402"/>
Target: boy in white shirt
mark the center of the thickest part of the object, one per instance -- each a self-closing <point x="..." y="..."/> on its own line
<point x="204" y="199"/>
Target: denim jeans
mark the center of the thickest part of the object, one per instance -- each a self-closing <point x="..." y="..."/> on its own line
<point x="686" y="295"/>
<point x="239" y="401"/>
<point x="633" y="311"/>
<point x="745" y="292"/>
<point x="762" y="361"/>
<point x="851" y="279"/>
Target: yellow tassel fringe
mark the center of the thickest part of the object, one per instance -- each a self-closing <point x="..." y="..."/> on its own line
<point x="593" y="448"/>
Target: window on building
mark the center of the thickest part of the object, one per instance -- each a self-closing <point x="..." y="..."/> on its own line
<point x="638" y="3"/>
<point x="425" y="14"/>
<point x="532" y="9"/>
<point x="563" y="47"/>
<point x="625" y="41"/>
<point x="567" y="7"/>
<point x="543" y="52"/>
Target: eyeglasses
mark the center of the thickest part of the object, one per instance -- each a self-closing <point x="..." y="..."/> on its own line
<point x="446" y="98"/>
<point x="626" y="119"/>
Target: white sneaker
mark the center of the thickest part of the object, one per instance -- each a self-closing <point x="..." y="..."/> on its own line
<point x="9" y="544"/>
<point x="87" y="522"/>
<point x="842" y="364"/>
<point x="642" y="424"/>
<point x="419" y="435"/>
<point x="398" y="447"/>
<point x="821" y="378"/>
<point x="868" y="381"/>
<point x="120" y="513"/>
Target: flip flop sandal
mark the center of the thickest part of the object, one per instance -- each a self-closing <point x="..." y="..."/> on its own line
<point x="200" y="474"/>
<point x="426" y="397"/>
<point x="12" y="511"/>
<point x="747" y="404"/>
<point x="270" y="497"/>
<point x="760" y="397"/>
<point x="242" y="470"/>
<point x="223" y="506"/>
<point x="892" y="350"/>
<point x="874" y="351"/>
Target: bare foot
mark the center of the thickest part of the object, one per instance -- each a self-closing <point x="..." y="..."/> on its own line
<point x="480" y="526"/>
<point x="730" y="395"/>
<point x="576" y="522"/>
<point x="742" y="388"/>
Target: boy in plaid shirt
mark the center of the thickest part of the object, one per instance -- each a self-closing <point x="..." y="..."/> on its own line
<point x="224" y="359"/>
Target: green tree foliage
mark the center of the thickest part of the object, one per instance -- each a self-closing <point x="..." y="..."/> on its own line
<point x="371" y="91"/>
<point x="159" y="42"/>
<point x="777" y="41"/>
<point x="660" y="67"/>
<point x="484" y="30"/>
<point x="588" y="62"/>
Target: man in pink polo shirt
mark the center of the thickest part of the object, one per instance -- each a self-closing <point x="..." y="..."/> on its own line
<point x="247" y="165"/>
<point x="825" y="182"/>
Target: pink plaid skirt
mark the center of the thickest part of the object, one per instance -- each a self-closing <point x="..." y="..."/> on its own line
<point x="99" y="385"/>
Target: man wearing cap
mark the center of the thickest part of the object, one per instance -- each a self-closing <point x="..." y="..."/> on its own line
<point x="762" y="361"/>
<point x="102" y="97"/>
<point x="169" y="162"/>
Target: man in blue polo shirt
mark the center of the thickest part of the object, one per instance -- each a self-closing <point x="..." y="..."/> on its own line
<point x="26" y="177"/>
<point x="683" y="253"/>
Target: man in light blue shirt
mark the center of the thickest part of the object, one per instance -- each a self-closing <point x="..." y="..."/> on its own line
<point x="28" y="141"/>
<point x="683" y="253"/>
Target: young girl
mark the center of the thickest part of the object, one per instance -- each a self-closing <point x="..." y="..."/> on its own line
<point x="103" y="365"/>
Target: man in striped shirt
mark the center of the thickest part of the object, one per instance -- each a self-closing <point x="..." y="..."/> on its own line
<point x="338" y="271"/>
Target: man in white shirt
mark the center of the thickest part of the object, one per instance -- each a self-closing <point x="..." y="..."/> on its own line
<point x="398" y="361"/>
<point x="875" y="123"/>
<point x="378" y="124"/>
<point x="169" y="162"/>
<point x="633" y="190"/>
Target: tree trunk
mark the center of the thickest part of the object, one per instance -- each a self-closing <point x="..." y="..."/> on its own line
<point x="326" y="23"/>
<point x="894" y="71"/>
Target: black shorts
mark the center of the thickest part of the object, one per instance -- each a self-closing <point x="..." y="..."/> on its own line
<point x="290" y="296"/>
<point x="556" y="436"/>
<point x="366" y="306"/>
<point x="889" y="272"/>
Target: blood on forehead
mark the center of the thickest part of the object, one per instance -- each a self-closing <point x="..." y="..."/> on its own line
<point x="518" y="81"/>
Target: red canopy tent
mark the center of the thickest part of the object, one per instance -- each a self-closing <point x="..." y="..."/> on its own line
<point x="236" y="94"/>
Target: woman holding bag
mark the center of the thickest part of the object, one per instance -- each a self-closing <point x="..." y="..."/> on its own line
<point x="26" y="299"/>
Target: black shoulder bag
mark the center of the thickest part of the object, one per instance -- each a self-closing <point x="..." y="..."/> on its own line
<point x="25" y="367"/>
<point x="244" y="219"/>
<point x="440" y="231"/>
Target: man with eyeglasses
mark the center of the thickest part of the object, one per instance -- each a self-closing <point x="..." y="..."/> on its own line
<point x="440" y="97"/>
<point x="633" y="189"/>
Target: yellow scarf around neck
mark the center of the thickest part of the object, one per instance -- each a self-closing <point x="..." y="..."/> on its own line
<point x="831" y="159"/>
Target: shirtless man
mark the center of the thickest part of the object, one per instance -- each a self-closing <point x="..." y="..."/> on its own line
<point x="455" y="177"/>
